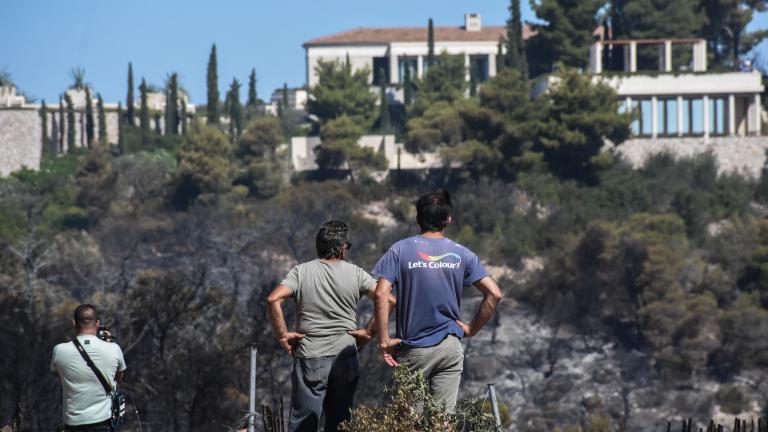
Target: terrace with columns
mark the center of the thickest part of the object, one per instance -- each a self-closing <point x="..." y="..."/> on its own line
<point x="672" y="92"/>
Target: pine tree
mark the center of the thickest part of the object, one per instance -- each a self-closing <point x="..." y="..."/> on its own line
<point x="129" y="98"/>
<point x="44" y="125"/>
<point x="71" y="124"/>
<point x="430" y="44"/>
<point x="252" y="89"/>
<point x="407" y="87"/>
<point x="341" y="91"/>
<point x="565" y="36"/>
<point x="213" y="88"/>
<point x="726" y="29"/>
<point x="515" y="57"/>
<point x="102" y="119"/>
<point x="385" y="123"/>
<point x="61" y="125"/>
<point x="89" y="124"/>
<point x="172" y="106"/>
<point x="644" y="19"/>
<point x="235" y="110"/>
<point x="143" y="108"/>
<point x="183" y="115"/>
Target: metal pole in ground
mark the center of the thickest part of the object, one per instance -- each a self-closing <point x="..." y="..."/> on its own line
<point x="252" y="400"/>
<point x="495" y="406"/>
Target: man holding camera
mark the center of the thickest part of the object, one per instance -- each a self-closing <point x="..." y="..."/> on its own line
<point x="325" y="366"/>
<point x="86" y="406"/>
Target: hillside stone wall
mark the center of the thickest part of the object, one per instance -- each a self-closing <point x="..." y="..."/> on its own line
<point x="20" y="140"/>
<point x="21" y="136"/>
<point x="744" y="155"/>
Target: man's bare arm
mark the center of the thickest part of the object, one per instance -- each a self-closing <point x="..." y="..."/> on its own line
<point x="371" y="327"/>
<point x="119" y="376"/>
<point x="288" y="340"/>
<point x="491" y="298"/>
<point x="382" y="309"/>
<point x="366" y="334"/>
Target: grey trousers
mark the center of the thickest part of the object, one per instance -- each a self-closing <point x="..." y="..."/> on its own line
<point x="442" y="365"/>
<point x="323" y="385"/>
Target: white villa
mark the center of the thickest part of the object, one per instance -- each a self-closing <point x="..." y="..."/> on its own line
<point x="391" y="50"/>
<point x="681" y="106"/>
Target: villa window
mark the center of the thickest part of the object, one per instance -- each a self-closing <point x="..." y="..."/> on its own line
<point x="406" y="62"/>
<point x="479" y="65"/>
<point x="717" y="116"/>
<point x="695" y="116"/>
<point x="666" y="117"/>
<point x="380" y="70"/>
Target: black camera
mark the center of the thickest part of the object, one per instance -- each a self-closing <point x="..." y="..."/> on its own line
<point x="103" y="333"/>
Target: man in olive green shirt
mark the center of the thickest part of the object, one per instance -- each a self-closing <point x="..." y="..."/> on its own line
<point x="325" y="344"/>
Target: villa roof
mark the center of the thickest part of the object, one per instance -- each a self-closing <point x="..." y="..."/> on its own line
<point x="368" y="35"/>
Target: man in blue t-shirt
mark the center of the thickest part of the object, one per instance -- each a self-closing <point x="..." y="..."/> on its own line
<point x="429" y="273"/>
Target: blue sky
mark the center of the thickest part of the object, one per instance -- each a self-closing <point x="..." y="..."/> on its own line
<point x="44" y="39"/>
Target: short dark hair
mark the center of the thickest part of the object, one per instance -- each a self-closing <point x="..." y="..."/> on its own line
<point x="85" y="315"/>
<point x="331" y="238"/>
<point x="433" y="210"/>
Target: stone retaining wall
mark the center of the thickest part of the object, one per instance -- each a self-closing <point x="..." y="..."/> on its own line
<point x="20" y="140"/>
<point x="744" y="155"/>
<point x="21" y="136"/>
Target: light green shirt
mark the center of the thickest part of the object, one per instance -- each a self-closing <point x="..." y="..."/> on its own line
<point x="84" y="399"/>
<point x="326" y="296"/>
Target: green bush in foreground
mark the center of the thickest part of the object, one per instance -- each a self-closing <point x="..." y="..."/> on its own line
<point x="413" y="409"/>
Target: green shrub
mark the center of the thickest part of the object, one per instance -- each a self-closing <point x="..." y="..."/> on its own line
<point x="413" y="409"/>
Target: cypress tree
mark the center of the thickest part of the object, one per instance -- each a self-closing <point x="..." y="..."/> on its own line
<point x="213" y="88"/>
<point x="54" y="140"/>
<point x="82" y="129"/>
<point x="120" y="143"/>
<point x="61" y="124"/>
<point x="473" y="80"/>
<point x="172" y="106"/>
<point x="102" y="119"/>
<point x="407" y="87"/>
<point x="89" y="125"/>
<point x="385" y="122"/>
<point x="252" y="89"/>
<point x="44" y="125"/>
<point x="430" y="44"/>
<point x="235" y="110"/>
<point x="285" y="92"/>
<point x="71" y="125"/>
<point x="500" y="59"/>
<point x="158" y="129"/>
<point x="515" y="49"/>
<point x="143" y="108"/>
<point x="183" y="114"/>
<point x="129" y="98"/>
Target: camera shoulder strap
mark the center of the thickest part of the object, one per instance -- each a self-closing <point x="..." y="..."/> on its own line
<point x="93" y="367"/>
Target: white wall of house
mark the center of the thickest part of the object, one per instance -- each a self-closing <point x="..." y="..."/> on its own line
<point x="361" y="56"/>
<point x="686" y="84"/>
<point x="302" y="153"/>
